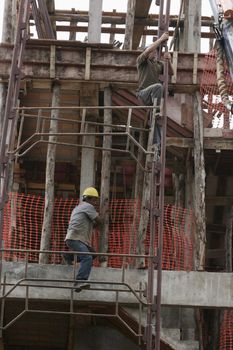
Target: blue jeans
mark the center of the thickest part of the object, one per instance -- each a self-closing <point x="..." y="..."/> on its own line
<point x="151" y="92"/>
<point x="85" y="260"/>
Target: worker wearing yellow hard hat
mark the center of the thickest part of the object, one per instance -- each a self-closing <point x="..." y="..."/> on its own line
<point x="90" y="192"/>
<point x="79" y="234"/>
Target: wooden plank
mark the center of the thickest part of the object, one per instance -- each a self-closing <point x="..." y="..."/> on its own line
<point x="50" y="171"/>
<point x="52" y="62"/>
<point x="219" y="201"/>
<point x="142" y="8"/>
<point x="128" y="42"/>
<point x="73" y="23"/>
<point x="220" y="143"/>
<point x="106" y="65"/>
<point x="114" y="17"/>
<point x="105" y="175"/>
<point x="195" y="58"/>
<point x="215" y="253"/>
<point x="66" y="187"/>
<point x="88" y="64"/>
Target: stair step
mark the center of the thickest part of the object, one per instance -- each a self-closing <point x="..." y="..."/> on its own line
<point x="187" y="345"/>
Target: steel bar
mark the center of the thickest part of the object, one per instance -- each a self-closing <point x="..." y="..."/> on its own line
<point x="161" y="192"/>
<point x="11" y="102"/>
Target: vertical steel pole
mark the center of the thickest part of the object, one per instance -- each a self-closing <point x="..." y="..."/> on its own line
<point x="11" y="102"/>
<point x="161" y="194"/>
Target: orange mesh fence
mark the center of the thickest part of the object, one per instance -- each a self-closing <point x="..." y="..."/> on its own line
<point x="178" y="239"/>
<point x="226" y="331"/>
<point x="216" y="115"/>
<point x="23" y="220"/>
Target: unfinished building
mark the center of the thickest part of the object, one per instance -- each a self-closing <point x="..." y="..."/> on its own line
<point x="70" y="119"/>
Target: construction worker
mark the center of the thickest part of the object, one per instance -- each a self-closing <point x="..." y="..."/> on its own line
<point x="78" y="238"/>
<point x="149" y="71"/>
<point x="150" y="87"/>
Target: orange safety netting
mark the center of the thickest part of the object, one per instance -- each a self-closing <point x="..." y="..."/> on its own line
<point x="226" y="331"/>
<point x="216" y="114"/>
<point x="23" y="219"/>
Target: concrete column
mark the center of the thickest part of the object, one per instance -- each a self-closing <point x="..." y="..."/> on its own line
<point x="89" y="96"/>
<point x="95" y="20"/>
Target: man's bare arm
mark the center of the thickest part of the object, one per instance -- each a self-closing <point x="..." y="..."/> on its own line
<point x="156" y="44"/>
<point x="98" y="222"/>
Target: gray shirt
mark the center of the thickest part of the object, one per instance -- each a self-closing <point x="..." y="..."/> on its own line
<point x="81" y="222"/>
<point x="148" y="71"/>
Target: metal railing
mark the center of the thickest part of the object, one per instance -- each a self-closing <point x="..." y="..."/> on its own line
<point x="8" y="287"/>
<point x="40" y="132"/>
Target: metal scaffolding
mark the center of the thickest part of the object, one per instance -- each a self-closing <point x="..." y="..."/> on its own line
<point x="156" y="154"/>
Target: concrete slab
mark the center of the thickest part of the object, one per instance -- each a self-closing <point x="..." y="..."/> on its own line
<point x="202" y="289"/>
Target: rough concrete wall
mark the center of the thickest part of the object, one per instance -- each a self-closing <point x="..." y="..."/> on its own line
<point x="102" y="337"/>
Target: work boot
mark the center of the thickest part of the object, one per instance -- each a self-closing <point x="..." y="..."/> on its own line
<point x="81" y="285"/>
<point x="67" y="259"/>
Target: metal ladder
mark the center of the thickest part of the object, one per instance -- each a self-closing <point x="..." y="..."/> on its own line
<point x="157" y="199"/>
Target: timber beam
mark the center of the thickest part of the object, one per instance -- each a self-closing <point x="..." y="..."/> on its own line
<point x="142" y="20"/>
<point x="73" y="60"/>
<point x="219" y="144"/>
<point x="214" y="138"/>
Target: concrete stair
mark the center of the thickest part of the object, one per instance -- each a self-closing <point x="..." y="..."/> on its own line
<point x="170" y="336"/>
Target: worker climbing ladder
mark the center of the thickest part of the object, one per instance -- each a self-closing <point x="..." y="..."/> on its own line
<point x="157" y="195"/>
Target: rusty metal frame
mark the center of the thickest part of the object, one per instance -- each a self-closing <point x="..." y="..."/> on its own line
<point x="10" y="116"/>
<point x="32" y="141"/>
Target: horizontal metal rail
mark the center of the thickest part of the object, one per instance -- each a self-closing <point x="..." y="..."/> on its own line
<point x="21" y="283"/>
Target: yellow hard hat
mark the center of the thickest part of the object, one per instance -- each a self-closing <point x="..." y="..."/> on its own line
<point x="91" y="192"/>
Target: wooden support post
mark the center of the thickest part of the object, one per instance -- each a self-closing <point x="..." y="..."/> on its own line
<point x="199" y="184"/>
<point x="3" y="93"/>
<point x="178" y="180"/>
<point x="228" y="239"/>
<point x="73" y="23"/>
<point x="51" y="25"/>
<point x="95" y="20"/>
<point x="89" y="96"/>
<point x="2" y="347"/>
<point x="129" y="26"/>
<point x="112" y="34"/>
<point x="192" y="26"/>
<point x="105" y="174"/>
<point x="144" y="218"/>
<point x="139" y="172"/>
<point x="52" y="61"/>
<point x="71" y="333"/>
<point x="49" y="184"/>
